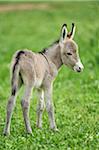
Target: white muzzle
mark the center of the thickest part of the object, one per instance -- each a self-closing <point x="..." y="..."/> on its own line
<point x="78" y="66"/>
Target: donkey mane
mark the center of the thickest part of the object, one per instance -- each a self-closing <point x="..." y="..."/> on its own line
<point x="51" y="45"/>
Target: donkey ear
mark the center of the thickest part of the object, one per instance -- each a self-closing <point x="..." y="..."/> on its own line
<point x="72" y="33"/>
<point x="63" y="33"/>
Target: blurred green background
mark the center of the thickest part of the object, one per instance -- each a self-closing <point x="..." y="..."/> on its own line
<point x="34" y="26"/>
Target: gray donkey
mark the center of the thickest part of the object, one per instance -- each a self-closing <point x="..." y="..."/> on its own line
<point x="38" y="70"/>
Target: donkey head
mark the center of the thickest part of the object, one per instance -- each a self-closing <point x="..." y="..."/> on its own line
<point x="69" y="49"/>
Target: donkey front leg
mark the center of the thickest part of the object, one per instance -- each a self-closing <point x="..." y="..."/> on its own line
<point x="50" y="107"/>
<point x="40" y="107"/>
<point x="25" y="103"/>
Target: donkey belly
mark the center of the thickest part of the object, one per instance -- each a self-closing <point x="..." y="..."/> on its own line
<point x="39" y="76"/>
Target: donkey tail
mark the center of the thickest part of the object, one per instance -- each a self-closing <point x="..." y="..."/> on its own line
<point x="15" y="72"/>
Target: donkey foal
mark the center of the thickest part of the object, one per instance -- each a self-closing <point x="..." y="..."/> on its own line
<point x="38" y="70"/>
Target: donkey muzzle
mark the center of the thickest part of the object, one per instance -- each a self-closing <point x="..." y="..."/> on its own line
<point x="78" y="67"/>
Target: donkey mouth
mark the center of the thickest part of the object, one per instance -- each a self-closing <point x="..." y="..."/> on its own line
<point x="78" y="70"/>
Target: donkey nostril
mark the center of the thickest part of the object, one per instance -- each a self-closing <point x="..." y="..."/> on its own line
<point x="79" y="68"/>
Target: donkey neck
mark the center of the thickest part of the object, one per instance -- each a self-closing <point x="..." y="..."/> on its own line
<point x="54" y="54"/>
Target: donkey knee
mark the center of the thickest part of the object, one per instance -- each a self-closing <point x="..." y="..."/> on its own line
<point x="49" y="107"/>
<point x="40" y="108"/>
<point x="24" y="104"/>
<point x="10" y="104"/>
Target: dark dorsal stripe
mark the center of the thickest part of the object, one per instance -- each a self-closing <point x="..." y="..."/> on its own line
<point x="44" y="56"/>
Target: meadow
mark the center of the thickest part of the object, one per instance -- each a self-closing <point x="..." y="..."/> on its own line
<point x="75" y="95"/>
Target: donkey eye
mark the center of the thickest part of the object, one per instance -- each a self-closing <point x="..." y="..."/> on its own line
<point x="69" y="54"/>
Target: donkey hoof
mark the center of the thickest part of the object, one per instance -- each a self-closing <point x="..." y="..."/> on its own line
<point x="39" y="126"/>
<point x="29" y="131"/>
<point x="5" y="133"/>
<point x="55" y="129"/>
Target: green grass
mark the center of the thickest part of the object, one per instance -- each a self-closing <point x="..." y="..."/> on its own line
<point x="76" y="96"/>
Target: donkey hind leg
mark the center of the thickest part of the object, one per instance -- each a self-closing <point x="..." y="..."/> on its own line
<point x="50" y="109"/>
<point x="40" y="107"/>
<point x="25" y="103"/>
<point x="10" y="107"/>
